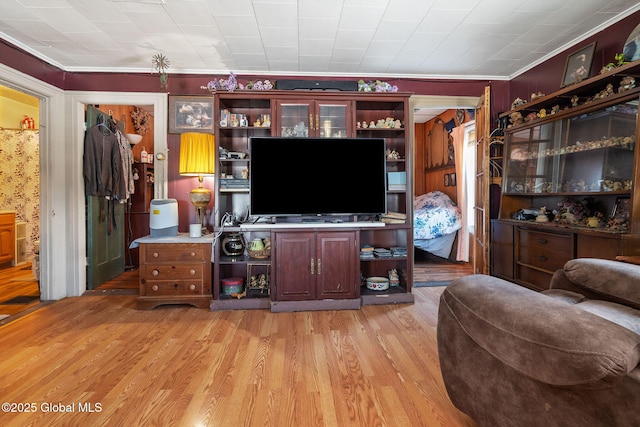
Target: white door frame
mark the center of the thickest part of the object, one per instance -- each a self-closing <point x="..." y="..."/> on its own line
<point x="76" y="102"/>
<point x="62" y="210"/>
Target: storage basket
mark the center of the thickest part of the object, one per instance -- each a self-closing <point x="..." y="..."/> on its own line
<point x="261" y="254"/>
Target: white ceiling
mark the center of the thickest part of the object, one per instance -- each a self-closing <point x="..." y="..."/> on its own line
<point x="455" y="39"/>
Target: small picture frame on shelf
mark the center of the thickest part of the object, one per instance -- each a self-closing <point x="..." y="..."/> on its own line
<point x="578" y="65"/>
<point x="452" y="179"/>
<point x="447" y="180"/>
<point x="190" y="114"/>
<point x="621" y="208"/>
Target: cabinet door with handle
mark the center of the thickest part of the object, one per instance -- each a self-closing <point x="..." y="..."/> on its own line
<point x="336" y="266"/>
<point x="295" y="266"/>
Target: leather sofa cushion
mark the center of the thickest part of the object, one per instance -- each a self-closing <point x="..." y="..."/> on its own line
<point x="565" y="346"/>
<point x="615" y="279"/>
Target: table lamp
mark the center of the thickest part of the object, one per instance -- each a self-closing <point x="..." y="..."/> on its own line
<point x="197" y="158"/>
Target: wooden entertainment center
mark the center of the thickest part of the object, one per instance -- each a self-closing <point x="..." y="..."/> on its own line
<point x="576" y="159"/>
<point x="310" y="265"/>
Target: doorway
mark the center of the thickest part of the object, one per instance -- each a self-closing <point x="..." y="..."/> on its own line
<point x="445" y="179"/>
<point x="62" y="231"/>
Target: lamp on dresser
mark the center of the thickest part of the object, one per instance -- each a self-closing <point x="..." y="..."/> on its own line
<point x="197" y="158"/>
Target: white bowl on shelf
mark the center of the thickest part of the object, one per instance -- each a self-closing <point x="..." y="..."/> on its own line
<point x="134" y="138"/>
<point x="377" y="283"/>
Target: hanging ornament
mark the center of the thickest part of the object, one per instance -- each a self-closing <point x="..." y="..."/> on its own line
<point x="161" y="64"/>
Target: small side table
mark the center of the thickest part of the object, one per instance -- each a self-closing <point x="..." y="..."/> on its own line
<point x="175" y="270"/>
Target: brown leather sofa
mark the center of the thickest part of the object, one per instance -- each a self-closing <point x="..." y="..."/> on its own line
<point x="568" y="356"/>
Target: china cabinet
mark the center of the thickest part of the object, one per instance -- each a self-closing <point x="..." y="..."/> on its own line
<point x="570" y="181"/>
<point x="332" y="248"/>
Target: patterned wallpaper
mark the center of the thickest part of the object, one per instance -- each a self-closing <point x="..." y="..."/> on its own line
<point x="20" y="179"/>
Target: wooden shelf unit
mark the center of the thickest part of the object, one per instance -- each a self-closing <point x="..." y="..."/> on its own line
<point x="347" y="111"/>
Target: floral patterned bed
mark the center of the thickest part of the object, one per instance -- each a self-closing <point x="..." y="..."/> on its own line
<point x="435" y="215"/>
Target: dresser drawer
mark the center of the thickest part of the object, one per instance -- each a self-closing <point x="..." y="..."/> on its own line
<point x="173" y="287"/>
<point x="547" y="251"/>
<point x="174" y="271"/>
<point x="174" y="253"/>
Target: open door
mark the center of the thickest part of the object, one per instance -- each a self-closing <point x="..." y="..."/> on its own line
<point x="480" y="246"/>
<point x="105" y="232"/>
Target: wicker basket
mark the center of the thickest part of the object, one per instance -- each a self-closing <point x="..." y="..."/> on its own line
<point x="261" y="254"/>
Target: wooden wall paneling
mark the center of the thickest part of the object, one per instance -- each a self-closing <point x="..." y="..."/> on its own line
<point x="434" y="177"/>
<point x="122" y="113"/>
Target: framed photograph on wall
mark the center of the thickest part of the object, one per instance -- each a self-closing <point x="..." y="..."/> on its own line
<point x="190" y="114"/>
<point x="447" y="180"/>
<point x="578" y="65"/>
<point x="452" y="179"/>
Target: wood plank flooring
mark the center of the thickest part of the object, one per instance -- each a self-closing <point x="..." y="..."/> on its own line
<point x="177" y="365"/>
<point x="14" y="282"/>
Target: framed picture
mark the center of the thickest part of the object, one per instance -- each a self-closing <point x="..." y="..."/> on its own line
<point x="621" y="209"/>
<point x="190" y="114"/>
<point x="578" y="65"/>
<point x="452" y="179"/>
<point x="447" y="180"/>
<point x="631" y="50"/>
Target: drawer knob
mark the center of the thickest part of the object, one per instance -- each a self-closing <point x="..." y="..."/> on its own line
<point x="192" y="287"/>
<point x="543" y="241"/>
<point x="193" y="254"/>
<point x="155" y="255"/>
<point x="192" y="272"/>
<point x="542" y="258"/>
<point x="176" y="285"/>
<point x="155" y="272"/>
<point x="154" y="288"/>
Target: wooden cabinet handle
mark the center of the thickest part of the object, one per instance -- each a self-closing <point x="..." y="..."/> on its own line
<point x="193" y="254"/>
<point x="319" y="267"/>
<point x="176" y="285"/>
<point x="155" y="272"/>
<point x="312" y="266"/>
<point x="154" y="288"/>
<point x="192" y="272"/>
<point x="155" y="255"/>
<point x="192" y="287"/>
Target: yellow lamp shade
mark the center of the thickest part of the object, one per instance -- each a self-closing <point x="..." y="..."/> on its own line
<point x="197" y="156"/>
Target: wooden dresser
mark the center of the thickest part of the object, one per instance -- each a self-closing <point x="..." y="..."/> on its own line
<point x="175" y="270"/>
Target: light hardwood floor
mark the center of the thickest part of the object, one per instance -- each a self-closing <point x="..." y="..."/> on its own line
<point x="182" y="366"/>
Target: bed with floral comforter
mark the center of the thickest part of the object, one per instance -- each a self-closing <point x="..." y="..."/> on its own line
<point x="436" y="219"/>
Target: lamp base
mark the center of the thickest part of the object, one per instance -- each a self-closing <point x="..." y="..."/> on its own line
<point x="200" y="198"/>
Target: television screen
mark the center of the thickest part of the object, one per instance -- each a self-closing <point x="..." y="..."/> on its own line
<point x="317" y="176"/>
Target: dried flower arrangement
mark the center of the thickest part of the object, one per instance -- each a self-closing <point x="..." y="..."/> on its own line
<point x="376" y="86"/>
<point x="231" y="84"/>
<point x="140" y="120"/>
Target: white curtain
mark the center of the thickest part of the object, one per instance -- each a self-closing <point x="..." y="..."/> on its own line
<point x="458" y="135"/>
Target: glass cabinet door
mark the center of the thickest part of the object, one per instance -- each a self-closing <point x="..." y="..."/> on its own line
<point x="331" y="120"/>
<point x="598" y="155"/>
<point x="529" y="169"/>
<point x="294" y="119"/>
<point x="592" y="152"/>
<point x="324" y="119"/>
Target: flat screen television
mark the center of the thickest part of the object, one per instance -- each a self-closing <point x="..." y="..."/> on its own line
<point x="317" y="176"/>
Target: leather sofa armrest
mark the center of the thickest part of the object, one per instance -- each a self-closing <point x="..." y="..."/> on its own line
<point x="540" y="337"/>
